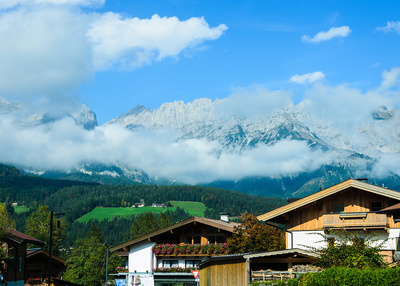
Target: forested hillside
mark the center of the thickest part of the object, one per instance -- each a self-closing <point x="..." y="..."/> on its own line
<point x="75" y="199"/>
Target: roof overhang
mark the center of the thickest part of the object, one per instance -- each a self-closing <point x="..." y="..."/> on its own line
<point x="350" y="183"/>
<point x="278" y="256"/>
<point x="227" y="226"/>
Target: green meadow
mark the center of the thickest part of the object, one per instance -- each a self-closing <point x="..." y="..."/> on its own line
<point x="21" y="209"/>
<point x="101" y="213"/>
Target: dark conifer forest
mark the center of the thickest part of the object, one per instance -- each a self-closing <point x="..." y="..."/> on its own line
<point x="75" y="199"/>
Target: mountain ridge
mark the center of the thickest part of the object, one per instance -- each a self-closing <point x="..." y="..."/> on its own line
<point x="350" y="154"/>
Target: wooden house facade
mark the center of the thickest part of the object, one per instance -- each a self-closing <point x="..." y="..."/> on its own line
<point x="352" y="205"/>
<point x="15" y="246"/>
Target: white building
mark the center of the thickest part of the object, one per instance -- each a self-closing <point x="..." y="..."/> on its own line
<point x="167" y="256"/>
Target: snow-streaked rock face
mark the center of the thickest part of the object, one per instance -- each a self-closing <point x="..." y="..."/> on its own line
<point x="83" y="116"/>
<point x="204" y="118"/>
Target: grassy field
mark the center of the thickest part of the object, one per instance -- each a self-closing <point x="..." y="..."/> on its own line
<point x="20" y="209"/>
<point x="194" y="208"/>
<point x="100" y="213"/>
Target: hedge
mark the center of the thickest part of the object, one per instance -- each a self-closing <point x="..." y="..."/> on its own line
<point x="338" y="276"/>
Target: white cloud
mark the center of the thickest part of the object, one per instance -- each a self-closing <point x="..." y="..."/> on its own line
<point x="45" y="51"/>
<point x="253" y="102"/>
<point x="5" y="4"/>
<point x="133" y="42"/>
<point x="391" y="26"/>
<point x="342" y="116"/>
<point x="49" y="49"/>
<point x="307" y="78"/>
<point x="64" y="145"/>
<point x="390" y="78"/>
<point x="334" y="32"/>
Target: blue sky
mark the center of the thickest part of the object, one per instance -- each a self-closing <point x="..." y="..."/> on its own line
<point x="339" y="58"/>
<point x="261" y="46"/>
<point x="259" y="43"/>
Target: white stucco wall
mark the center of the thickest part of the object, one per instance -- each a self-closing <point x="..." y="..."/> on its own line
<point x="141" y="257"/>
<point x="392" y="239"/>
<point x="305" y="239"/>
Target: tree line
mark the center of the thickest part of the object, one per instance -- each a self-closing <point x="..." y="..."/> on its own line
<point x="75" y="199"/>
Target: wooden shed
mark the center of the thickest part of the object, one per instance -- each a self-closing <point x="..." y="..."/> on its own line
<point x="237" y="269"/>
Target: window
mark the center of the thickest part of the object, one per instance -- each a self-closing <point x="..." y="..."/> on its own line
<point x="331" y="241"/>
<point x="192" y="263"/>
<point x="220" y="239"/>
<point x="338" y="207"/>
<point x="170" y="263"/>
<point x="196" y="239"/>
<point x="376" y="206"/>
<point x="211" y="239"/>
<point x="397" y="243"/>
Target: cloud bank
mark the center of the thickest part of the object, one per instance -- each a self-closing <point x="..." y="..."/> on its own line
<point x="53" y="46"/>
<point x="341" y="115"/>
<point x="334" y="32"/>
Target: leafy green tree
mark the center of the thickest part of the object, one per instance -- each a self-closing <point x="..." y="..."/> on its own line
<point x="38" y="226"/>
<point x="6" y="221"/>
<point x="147" y="223"/>
<point x="5" y="224"/>
<point x="87" y="262"/>
<point x="351" y="250"/>
<point x="253" y="236"/>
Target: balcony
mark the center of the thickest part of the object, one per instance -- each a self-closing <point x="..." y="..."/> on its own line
<point x="190" y="249"/>
<point x="355" y="220"/>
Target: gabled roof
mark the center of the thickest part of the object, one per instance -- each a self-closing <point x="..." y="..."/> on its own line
<point x="391" y="209"/>
<point x="36" y="252"/>
<point x="227" y="226"/>
<point x="350" y="183"/>
<point x="20" y="238"/>
<point x="284" y="252"/>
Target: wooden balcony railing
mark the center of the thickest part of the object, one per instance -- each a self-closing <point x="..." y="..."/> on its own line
<point x="355" y="220"/>
<point x="190" y="249"/>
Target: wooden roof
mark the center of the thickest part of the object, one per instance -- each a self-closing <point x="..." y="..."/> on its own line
<point x="227" y="226"/>
<point x="285" y="253"/>
<point x="391" y="209"/>
<point x="30" y="253"/>
<point x="20" y="238"/>
<point x="350" y="183"/>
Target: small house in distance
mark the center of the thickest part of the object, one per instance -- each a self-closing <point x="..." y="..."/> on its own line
<point x="352" y="205"/>
<point x="167" y="256"/>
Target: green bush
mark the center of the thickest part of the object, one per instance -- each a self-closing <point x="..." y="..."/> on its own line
<point x="339" y="276"/>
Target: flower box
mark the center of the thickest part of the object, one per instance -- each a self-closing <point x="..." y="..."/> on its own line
<point x="190" y="249"/>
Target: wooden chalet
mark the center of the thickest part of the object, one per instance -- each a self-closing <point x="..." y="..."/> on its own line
<point x="15" y="246"/>
<point x="152" y="258"/>
<point x="352" y="205"/>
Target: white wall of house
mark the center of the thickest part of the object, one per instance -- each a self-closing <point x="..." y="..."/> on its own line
<point x="394" y="235"/>
<point x="141" y="257"/>
<point x="306" y="239"/>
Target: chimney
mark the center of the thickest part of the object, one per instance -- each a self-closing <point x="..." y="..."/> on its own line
<point x="224" y="216"/>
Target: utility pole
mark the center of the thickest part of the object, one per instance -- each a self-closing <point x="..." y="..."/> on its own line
<point x="51" y="241"/>
<point x="107" y="250"/>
